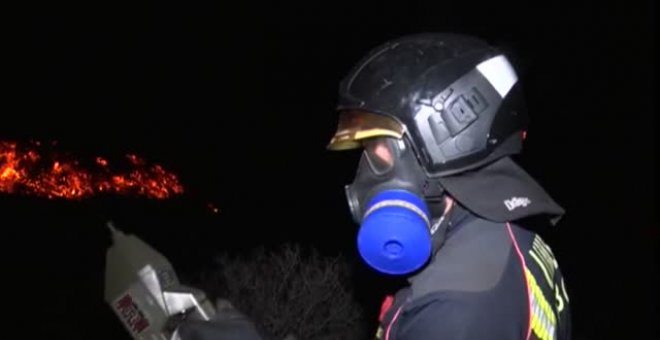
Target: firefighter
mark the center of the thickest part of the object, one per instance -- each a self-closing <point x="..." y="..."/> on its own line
<point x="439" y="198"/>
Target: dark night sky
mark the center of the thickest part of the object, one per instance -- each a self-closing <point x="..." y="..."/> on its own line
<point x="217" y="101"/>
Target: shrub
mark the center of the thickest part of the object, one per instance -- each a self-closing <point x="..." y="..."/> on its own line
<point x="289" y="292"/>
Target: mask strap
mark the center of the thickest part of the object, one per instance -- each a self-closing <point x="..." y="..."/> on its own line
<point x="449" y="204"/>
<point x="439" y="228"/>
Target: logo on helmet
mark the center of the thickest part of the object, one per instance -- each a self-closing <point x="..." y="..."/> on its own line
<point x="516" y="202"/>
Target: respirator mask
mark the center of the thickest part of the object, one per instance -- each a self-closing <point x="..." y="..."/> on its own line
<point x="387" y="200"/>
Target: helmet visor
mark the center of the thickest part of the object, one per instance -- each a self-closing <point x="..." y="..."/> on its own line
<point x="355" y="126"/>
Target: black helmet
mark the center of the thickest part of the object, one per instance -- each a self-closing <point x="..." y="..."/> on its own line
<point x="454" y="97"/>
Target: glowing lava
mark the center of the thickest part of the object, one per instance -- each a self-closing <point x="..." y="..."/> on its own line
<point x="24" y="170"/>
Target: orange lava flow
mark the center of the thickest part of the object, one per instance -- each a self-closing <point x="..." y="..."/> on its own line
<point x="25" y="170"/>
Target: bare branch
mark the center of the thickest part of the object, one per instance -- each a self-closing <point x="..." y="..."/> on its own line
<point x="289" y="292"/>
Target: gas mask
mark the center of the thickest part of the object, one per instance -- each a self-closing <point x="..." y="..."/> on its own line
<point x="387" y="199"/>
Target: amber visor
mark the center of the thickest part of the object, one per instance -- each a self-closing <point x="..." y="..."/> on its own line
<point x="356" y="126"/>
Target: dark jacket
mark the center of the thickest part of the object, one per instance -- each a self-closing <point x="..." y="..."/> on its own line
<point x="488" y="281"/>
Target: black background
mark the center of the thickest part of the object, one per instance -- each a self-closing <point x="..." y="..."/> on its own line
<point x="238" y="101"/>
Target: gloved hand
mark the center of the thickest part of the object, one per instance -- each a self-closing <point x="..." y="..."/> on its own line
<point x="228" y="324"/>
<point x="218" y="330"/>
